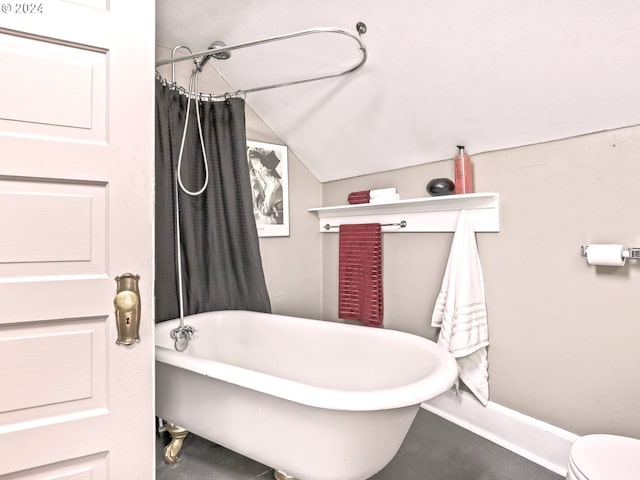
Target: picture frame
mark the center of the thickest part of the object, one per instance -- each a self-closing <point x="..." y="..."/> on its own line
<point x="269" y="176"/>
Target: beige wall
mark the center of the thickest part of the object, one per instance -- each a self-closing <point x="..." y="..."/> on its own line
<point x="292" y="265"/>
<point x="565" y="336"/>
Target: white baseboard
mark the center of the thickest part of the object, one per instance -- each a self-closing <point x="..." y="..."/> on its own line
<point x="532" y="439"/>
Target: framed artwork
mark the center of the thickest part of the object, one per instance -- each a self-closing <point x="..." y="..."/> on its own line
<point x="268" y="171"/>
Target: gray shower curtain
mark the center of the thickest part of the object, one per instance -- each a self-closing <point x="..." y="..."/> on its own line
<point x="221" y="263"/>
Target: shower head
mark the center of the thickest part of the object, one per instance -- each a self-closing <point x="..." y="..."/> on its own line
<point x="223" y="55"/>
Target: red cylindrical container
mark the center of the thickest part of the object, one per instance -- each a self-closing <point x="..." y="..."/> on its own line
<point x="463" y="173"/>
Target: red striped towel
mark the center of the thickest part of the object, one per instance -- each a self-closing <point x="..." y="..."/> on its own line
<point x="359" y="197"/>
<point x="360" y="273"/>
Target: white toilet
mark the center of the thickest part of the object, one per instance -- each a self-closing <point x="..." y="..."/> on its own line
<point x="604" y="457"/>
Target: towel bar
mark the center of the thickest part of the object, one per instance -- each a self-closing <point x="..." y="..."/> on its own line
<point x="400" y="224"/>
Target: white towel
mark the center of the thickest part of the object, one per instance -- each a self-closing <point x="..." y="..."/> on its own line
<point x="382" y="192"/>
<point x="385" y="198"/>
<point x="461" y="312"/>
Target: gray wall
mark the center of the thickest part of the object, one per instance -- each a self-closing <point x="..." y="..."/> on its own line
<point x="564" y="335"/>
<point x="293" y="265"/>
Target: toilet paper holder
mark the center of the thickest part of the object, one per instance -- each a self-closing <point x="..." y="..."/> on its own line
<point x="632" y="252"/>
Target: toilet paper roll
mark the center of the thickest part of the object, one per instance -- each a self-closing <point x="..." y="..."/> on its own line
<point x="605" y="254"/>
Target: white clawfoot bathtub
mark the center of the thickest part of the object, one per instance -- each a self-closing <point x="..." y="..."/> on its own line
<point x="315" y="399"/>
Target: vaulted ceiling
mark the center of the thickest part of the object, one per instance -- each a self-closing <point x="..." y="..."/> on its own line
<point x="488" y="74"/>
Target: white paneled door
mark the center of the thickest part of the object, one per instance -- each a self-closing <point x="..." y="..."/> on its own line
<point x="76" y="211"/>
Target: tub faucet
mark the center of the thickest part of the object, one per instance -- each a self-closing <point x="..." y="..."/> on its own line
<point x="182" y="335"/>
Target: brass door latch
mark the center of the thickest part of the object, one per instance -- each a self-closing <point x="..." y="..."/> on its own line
<point x="127" y="303"/>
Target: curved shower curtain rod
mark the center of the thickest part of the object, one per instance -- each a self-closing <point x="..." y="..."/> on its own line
<point x="223" y="51"/>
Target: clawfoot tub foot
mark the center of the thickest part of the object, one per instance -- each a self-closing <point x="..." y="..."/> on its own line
<point x="280" y="475"/>
<point x="172" y="450"/>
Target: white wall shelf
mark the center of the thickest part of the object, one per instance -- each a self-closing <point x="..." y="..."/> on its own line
<point x="429" y="214"/>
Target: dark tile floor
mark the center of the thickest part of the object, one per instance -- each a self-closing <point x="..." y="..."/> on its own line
<point x="433" y="450"/>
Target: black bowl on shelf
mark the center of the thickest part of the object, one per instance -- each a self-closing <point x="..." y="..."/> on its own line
<point x="440" y="186"/>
